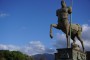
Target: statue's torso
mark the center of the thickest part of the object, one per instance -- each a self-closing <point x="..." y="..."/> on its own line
<point x="62" y="13"/>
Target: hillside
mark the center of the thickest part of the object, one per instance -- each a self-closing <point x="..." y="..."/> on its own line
<point x="13" y="55"/>
<point x="17" y="55"/>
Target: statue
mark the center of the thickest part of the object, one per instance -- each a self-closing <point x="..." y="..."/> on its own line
<point x="64" y="25"/>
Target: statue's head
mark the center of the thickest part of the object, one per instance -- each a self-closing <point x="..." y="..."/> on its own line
<point x="63" y="3"/>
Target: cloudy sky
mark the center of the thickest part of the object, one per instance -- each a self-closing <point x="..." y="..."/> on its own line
<point x="25" y="25"/>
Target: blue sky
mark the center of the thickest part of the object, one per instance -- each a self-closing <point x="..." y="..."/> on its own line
<point x="22" y="21"/>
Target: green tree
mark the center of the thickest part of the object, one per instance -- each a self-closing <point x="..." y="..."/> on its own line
<point x="13" y="55"/>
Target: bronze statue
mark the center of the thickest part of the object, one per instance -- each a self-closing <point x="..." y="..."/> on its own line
<point x="64" y="25"/>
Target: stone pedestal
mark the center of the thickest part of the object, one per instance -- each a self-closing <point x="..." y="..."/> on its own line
<point x="88" y="55"/>
<point x="69" y="54"/>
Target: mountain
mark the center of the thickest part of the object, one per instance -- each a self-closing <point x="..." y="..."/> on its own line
<point x="43" y="57"/>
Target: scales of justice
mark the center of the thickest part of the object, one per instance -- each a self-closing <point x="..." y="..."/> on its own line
<point x="71" y="30"/>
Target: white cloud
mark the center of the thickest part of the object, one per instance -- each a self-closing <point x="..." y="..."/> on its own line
<point x="61" y="39"/>
<point x="86" y="32"/>
<point x="86" y="36"/>
<point x="34" y="47"/>
<point x="9" y="47"/>
<point x="3" y="14"/>
<point x="37" y="44"/>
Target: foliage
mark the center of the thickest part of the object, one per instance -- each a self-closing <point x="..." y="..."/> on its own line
<point x="13" y="55"/>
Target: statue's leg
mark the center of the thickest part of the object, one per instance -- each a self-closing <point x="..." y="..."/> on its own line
<point x="79" y="38"/>
<point x="68" y="43"/>
<point x="52" y="25"/>
<point x="66" y="25"/>
<point x="73" y="38"/>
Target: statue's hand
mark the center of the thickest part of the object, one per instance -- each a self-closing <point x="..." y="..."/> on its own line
<point x="51" y="36"/>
